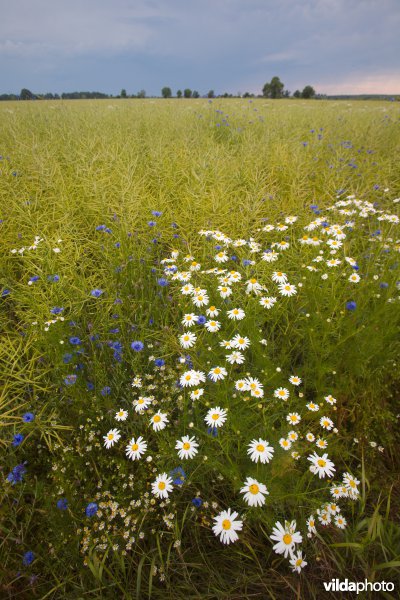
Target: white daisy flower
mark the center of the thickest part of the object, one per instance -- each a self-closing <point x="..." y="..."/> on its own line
<point x="221" y="257"/>
<point x="286" y="289"/>
<point x="313" y="407"/>
<point x="224" y="291"/>
<point x="212" y="311"/>
<point x="354" y="278"/>
<point x="187" y="447"/>
<point x="200" y="300"/>
<point x="142" y="403"/>
<point x="235" y="358"/>
<point x="270" y="256"/>
<point x="254" y="492"/>
<point x="297" y="562"/>
<point x="321" y="465"/>
<point x="311" y="524"/>
<point x="330" y="399"/>
<point x="293" y="418"/>
<point x="320" y="443"/>
<point x="260" y="451"/>
<point x="191" y="378"/>
<point x="212" y="326"/>
<point x="241" y="385"/>
<point x="267" y="301"/>
<point x="111" y="437"/>
<point x="162" y="486"/>
<point x="326" y="423"/>
<point x="196" y="394"/>
<point x="227" y="344"/>
<point x="189" y="320"/>
<point x="136" y="448"/>
<point x="286" y="537"/>
<point x="310" y="437"/>
<point x="294" y="380"/>
<point x="279" y="277"/>
<point x="217" y="373"/>
<point x="236" y="313"/>
<point x="187" y="340"/>
<point x="121" y="415"/>
<point x="240" y="342"/>
<point x="285" y="443"/>
<point x="159" y="421"/>
<point x="252" y="285"/>
<point x="137" y="382"/>
<point x="255" y="387"/>
<point x="187" y="289"/>
<point x="216" y="417"/>
<point x="226" y="526"/>
<point x="340" y="522"/>
<point x="293" y="436"/>
<point x="281" y="393"/>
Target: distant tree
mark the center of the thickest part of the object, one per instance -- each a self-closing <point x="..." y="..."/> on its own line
<point x="286" y="93"/>
<point x="187" y="93"/>
<point x="123" y="93"/>
<point x="211" y="94"/>
<point x="297" y="94"/>
<point x="248" y="95"/>
<point x="195" y="94"/>
<point x="141" y="94"/>
<point x="26" y="94"/>
<point x="308" y="92"/>
<point x="179" y="94"/>
<point x="274" y="88"/>
<point x="166" y="92"/>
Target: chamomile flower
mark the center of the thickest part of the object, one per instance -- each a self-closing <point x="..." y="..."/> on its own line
<point x="121" y="415"/>
<point x="200" y="300"/>
<point x="254" y="387"/>
<point x="285" y="443"/>
<point x="235" y="358"/>
<point x="187" y="340"/>
<point x="354" y="278"/>
<point x="236" y="313"/>
<point x="330" y="399"/>
<point x="216" y="417"/>
<point x="267" y="301"/>
<point x="321" y="465"/>
<point x="281" y="393"/>
<point x="340" y="522"/>
<point x="310" y="437"/>
<point x="333" y="508"/>
<point x="137" y="382"/>
<point x="187" y="289"/>
<point x="324" y="517"/>
<point x="187" y="447"/>
<point x="111" y="438"/>
<point x="240" y="342"/>
<point x="286" y="537"/>
<point x="212" y="311"/>
<point x="221" y="257"/>
<point x="254" y="492"/>
<point x="260" y="451"/>
<point x="270" y="256"/>
<point x="281" y="245"/>
<point x="224" y="291"/>
<point x="311" y="524"/>
<point x="279" y="277"/>
<point x="252" y="285"/>
<point x="196" y="394"/>
<point x="135" y="448"/>
<point x="293" y="418"/>
<point x="189" y="320"/>
<point x="351" y="483"/>
<point x="212" y="326"/>
<point x="293" y="436"/>
<point x="297" y="562"/>
<point x="312" y="406"/>
<point x="227" y="344"/>
<point x="286" y="289"/>
<point x="191" y="378"/>
<point x="294" y="380"/>
<point x="159" y="421"/>
<point x="217" y="373"/>
<point x="336" y="491"/>
<point x="142" y="403"/>
<point x="326" y="423"/>
<point x="162" y="486"/>
<point x="241" y="385"/>
<point x="320" y="443"/>
<point x="226" y="526"/>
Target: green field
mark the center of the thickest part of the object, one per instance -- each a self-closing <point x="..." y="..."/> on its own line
<point x="108" y="210"/>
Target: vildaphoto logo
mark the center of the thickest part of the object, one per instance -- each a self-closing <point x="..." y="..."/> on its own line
<point x="336" y="585"/>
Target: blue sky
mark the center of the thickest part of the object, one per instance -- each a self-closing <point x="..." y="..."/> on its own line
<point x="338" y="46"/>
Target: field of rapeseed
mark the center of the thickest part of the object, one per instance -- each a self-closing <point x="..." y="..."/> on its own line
<point x="200" y="346"/>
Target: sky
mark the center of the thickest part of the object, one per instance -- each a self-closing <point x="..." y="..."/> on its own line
<point x="337" y="46"/>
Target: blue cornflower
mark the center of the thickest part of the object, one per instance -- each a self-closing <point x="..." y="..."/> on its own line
<point x="156" y="213"/>
<point x="137" y="346"/>
<point x="89" y="386"/>
<point x="234" y="258"/>
<point x="70" y="379"/>
<point x="384" y="285"/>
<point x="33" y="279"/>
<point x="246" y="262"/>
<point x="75" y="341"/>
<point x="5" y="292"/>
<point x="163" y="282"/>
<point x="62" y="504"/>
<point x="159" y="362"/>
<point x="351" y="305"/>
<point x="106" y="391"/>
<point x="201" y="320"/>
<point x="100" y="227"/>
<point x="67" y="358"/>
<point x="91" y="509"/>
<point x="17" y="440"/>
<point x="197" y="502"/>
<point x="28" y="558"/>
<point x="151" y="223"/>
<point x="28" y="417"/>
<point x="56" y="310"/>
<point x="178" y="476"/>
<point x="212" y="431"/>
<point x="96" y="293"/>
<point x="17" y="474"/>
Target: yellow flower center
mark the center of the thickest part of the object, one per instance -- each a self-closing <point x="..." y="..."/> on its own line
<point x="287" y="538"/>
<point x="226" y="524"/>
<point x="212" y="308"/>
<point x="253" y="281"/>
<point x="188" y="377"/>
<point x="312" y="523"/>
<point x="215" y="416"/>
<point x="217" y="371"/>
<point x="186" y="338"/>
<point x="156" y="418"/>
<point x="161" y="485"/>
<point x="260" y="448"/>
<point x="110" y="436"/>
<point x="321" y="462"/>
<point x="254" y="489"/>
<point x="213" y="323"/>
<point x="352" y="483"/>
<point x="135" y="447"/>
<point x="298" y="562"/>
<point x="186" y="446"/>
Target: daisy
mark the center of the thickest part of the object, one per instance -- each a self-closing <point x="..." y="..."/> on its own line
<point x="236" y="313"/>
<point x="195" y="266"/>
<point x="253" y="286"/>
<point x="200" y="300"/>
<point x="351" y="484"/>
<point x="187" y="340"/>
<point x="321" y="465"/>
<point x="291" y="219"/>
<point x="234" y="277"/>
<point x="215" y="417"/>
<point x="333" y="262"/>
<point x="281" y="245"/>
<point x="136" y="448"/>
<point x="259" y="450"/>
<point x="254" y="492"/>
<point x="137" y="382"/>
<point x="224" y="291"/>
<point x="196" y="394"/>
<point x="217" y="374"/>
<point x="310" y="437"/>
<point x="241" y="385"/>
<point x="354" y="278"/>
<point x="330" y="399"/>
<point x="326" y="423"/>
<point x="324" y="517"/>
<point x="313" y="407"/>
<point x="336" y="491"/>
<point x="281" y="393"/>
<point x="340" y="522"/>
<point x="297" y="562"/>
<point x="286" y="289"/>
<point x="111" y="437"/>
<point x="285" y="443"/>
<point x="159" y="421"/>
<point x="142" y="403"/>
<point x="311" y="524"/>
<point x="189" y="320"/>
<point x="293" y="436"/>
<point x="187" y="447"/>
<point x="254" y="386"/>
<point x="212" y="311"/>
<point x="226" y="526"/>
<point x="267" y="301"/>
<point x="191" y="378"/>
<point x="333" y="508"/>
<point x="293" y="418"/>
<point x="227" y="344"/>
<point x="268" y="228"/>
<point x="121" y="415"/>
<point x="187" y="289"/>
<point x="235" y="358"/>
<point x="162" y="486"/>
<point x="279" y="277"/>
<point x="294" y="380"/>
<point x="270" y="255"/>
<point x="334" y="244"/>
<point x="221" y="257"/>
<point x="320" y="443"/>
<point x="286" y="538"/>
<point x="240" y="342"/>
<point x="212" y="326"/>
